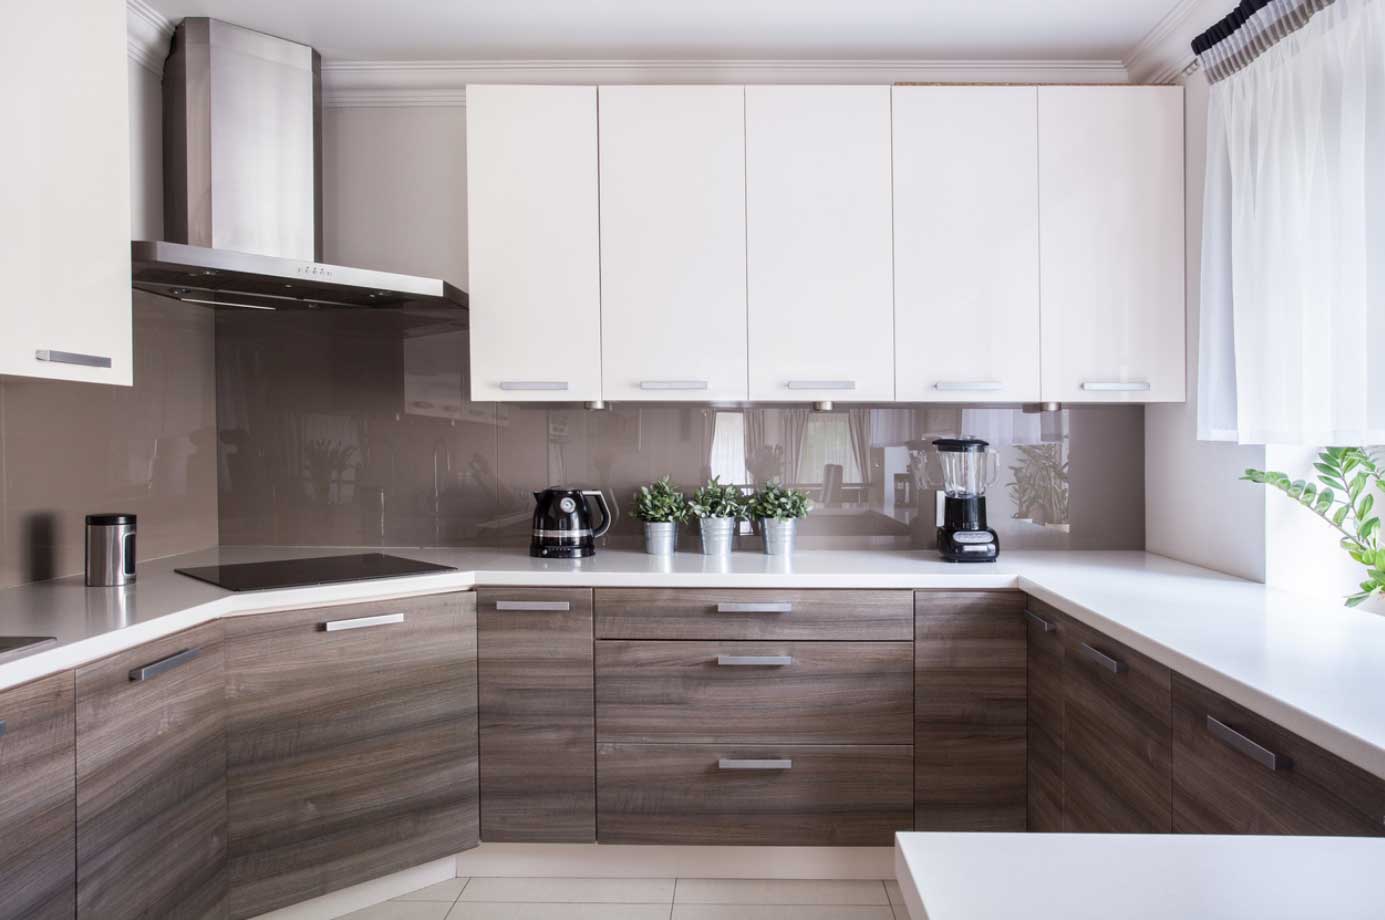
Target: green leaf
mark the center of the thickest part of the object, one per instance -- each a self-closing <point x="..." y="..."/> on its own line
<point x="1363" y="508"/>
<point x="1357" y="484"/>
<point x="1324" y="502"/>
<point x="1356" y="600"/>
<point x="1308" y="493"/>
<point x="1341" y="514"/>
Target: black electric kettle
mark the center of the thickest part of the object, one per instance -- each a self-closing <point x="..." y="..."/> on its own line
<point x="563" y="523"/>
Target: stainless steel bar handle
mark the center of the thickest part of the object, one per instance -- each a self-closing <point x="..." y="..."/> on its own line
<point x="384" y="619"/>
<point x="1113" y="665"/>
<point x="673" y="384"/>
<point x="968" y="386"/>
<point x="753" y="607"/>
<point x="1039" y="621"/>
<point x="1115" y="386"/>
<point x="72" y="357"/>
<point x="1239" y="742"/>
<point x="822" y="384"/>
<point x="732" y="763"/>
<point x="534" y="606"/>
<point x="754" y="661"/>
<point x="155" y="668"/>
<point x="533" y="384"/>
<point x="2" y="728"/>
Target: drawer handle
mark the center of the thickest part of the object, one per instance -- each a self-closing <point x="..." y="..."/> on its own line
<point x="673" y="384"/>
<point x="822" y="384"/>
<point x="384" y="619"/>
<point x="968" y="386"/>
<point x="72" y="357"/>
<point x="1115" y="386"/>
<point x="155" y="668"/>
<point x="1115" y="666"/>
<point x="737" y="607"/>
<point x="1239" y="742"/>
<point x="1039" y="621"/>
<point x="533" y="384"/>
<point x="728" y="763"/>
<point x="754" y="661"/>
<point x="534" y="606"/>
<point x="2" y="728"/>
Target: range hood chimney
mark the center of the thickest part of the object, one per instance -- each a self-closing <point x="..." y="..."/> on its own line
<point x="243" y="184"/>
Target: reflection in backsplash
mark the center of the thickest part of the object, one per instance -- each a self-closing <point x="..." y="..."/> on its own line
<point x="353" y="428"/>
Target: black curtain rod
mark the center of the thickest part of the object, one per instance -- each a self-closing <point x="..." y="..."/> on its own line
<point x="1228" y="25"/>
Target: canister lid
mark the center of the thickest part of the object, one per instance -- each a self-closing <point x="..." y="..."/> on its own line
<point x="109" y="520"/>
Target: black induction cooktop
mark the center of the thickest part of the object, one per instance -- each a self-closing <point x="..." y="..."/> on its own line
<point x="303" y="573"/>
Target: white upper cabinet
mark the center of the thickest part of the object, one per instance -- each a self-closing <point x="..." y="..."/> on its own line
<point x="966" y="244"/>
<point x="65" y="197"/>
<point x="532" y="241"/>
<point x="673" y="283"/>
<point x="1111" y="243"/>
<point x="818" y="243"/>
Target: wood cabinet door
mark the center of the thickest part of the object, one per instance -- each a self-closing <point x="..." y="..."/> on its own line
<point x="1111" y="243"/>
<point x="151" y="780"/>
<point x="533" y="261"/>
<point x="1044" y="664"/>
<point x="817" y="191"/>
<point x="969" y="711"/>
<point x="38" y="849"/>
<point x="352" y="744"/>
<point x="538" y="727"/>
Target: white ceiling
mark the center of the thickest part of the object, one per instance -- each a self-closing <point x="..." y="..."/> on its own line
<point x="403" y="30"/>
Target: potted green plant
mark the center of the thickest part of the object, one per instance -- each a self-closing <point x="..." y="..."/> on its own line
<point x="717" y="507"/>
<point x="662" y="508"/>
<point x="778" y="509"/>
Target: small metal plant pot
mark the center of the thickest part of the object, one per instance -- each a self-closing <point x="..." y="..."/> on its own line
<point x="660" y="538"/>
<point x="717" y="535"/>
<point x="779" y="535"/>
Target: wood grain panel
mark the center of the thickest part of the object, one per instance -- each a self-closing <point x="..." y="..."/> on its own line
<point x="1117" y="740"/>
<point x="38" y="848"/>
<point x="682" y="613"/>
<point x="831" y="693"/>
<point x="538" y="727"/>
<point x="969" y="711"/>
<point x="677" y="794"/>
<point x="1045" y="627"/>
<point x="1219" y="790"/>
<point x="352" y="753"/>
<point x="151" y="782"/>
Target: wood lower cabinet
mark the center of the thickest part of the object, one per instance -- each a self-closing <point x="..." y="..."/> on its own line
<point x="969" y="711"/>
<point x="1044" y="768"/>
<point x="1237" y="773"/>
<point x="38" y="800"/>
<point x="352" y="745"/>
<point x="537" y="724"/>
<point x="761" y="795"/>
<point x="151" y="780"/>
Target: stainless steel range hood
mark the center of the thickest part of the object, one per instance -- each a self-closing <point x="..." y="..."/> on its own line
<point x="243" y="187"/>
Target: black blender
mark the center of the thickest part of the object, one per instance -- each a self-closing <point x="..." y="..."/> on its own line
<point x="968" y="466"/>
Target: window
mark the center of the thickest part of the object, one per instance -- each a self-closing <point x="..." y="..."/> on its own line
<point x="827" y="439"/>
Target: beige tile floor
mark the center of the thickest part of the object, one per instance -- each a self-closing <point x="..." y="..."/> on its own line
<point x="643" y="899"/>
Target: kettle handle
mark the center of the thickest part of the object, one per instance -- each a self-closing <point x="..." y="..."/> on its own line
<point x="605" y="512"/>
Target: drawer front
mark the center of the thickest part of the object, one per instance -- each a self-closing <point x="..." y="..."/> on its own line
<point x="754" y="795"/>
<point x="1044" y="654"/>
<point x="534" y="671"/>
<point x="1237" y="773"/>
<point x="674" y="613"/>
<point x="1117" y="740"/>
<point x="786" y="692"/>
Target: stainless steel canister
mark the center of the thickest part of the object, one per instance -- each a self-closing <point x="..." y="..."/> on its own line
<point x="110" y="550"/>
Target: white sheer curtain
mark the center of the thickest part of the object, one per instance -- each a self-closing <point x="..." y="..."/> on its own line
<point x="1292" y="325"/>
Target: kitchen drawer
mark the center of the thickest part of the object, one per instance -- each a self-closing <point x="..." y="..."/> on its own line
<point x="1237" y="773"/>
<point x="677" y="613"/>
<point x="761" y="795"/>
<point x="1117" y="741"/>
<point x="786" y="692"/>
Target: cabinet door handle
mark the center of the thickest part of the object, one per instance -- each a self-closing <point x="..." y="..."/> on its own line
<point x="754" y="661"/>
<point x="1039" y="621"/>
<point x="72" y="357"/>
<point x="822" y="384"/>
<point x="755" y="607"/>
<point x="1114" y="665"/>
<point x="383" y="619"/>
<point x="2" y="728"/>
<point x="534" y="606"/>
<point x="968" y="386"/>
<point x="673" y="384"/>
<point x="1240" y="743"/>
<point x="730" y="763"/>
<point x="533" y="384"/>
<point x="1115" y="386"/>
<point x="155" y="668"/>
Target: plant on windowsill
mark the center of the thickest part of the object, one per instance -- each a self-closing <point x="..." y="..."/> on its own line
<point x="717" y="508"/>
<point x="777" y="509"/>
<point x="1345" y="500"/>
<point x="662" y="508"/>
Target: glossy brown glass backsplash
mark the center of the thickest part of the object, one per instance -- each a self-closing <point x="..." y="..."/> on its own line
<point x="353" y="429"/>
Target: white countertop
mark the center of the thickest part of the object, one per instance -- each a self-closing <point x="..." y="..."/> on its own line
<point x="1314" y="668"/>
<point x="1139" y="877"/>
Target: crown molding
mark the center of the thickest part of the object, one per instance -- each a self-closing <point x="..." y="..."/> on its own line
<point x="1165" y="53"/>
<point x="148" y="33"/>
<point x="443" y="83"/>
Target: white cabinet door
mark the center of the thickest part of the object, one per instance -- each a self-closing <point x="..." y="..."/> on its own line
<point x="821" y="297"/>
<point x="65" y="196"/>
<point x="534" y="275"/>
<point x="966" y="244"/>
<point x="673" y="299"/>
<point x="1111" y="243"/>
